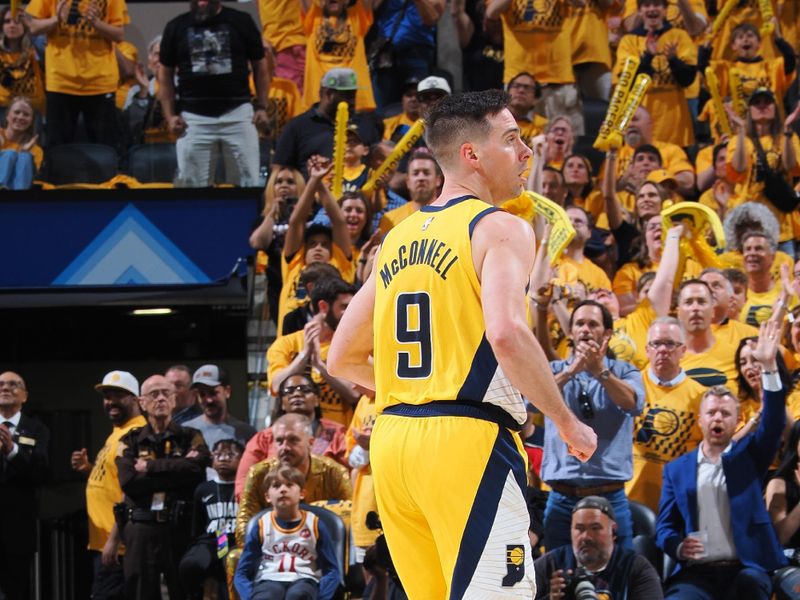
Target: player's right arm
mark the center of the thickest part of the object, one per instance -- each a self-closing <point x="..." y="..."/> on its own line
<point x="349" y="355"/>
<point x="503" y="251"/>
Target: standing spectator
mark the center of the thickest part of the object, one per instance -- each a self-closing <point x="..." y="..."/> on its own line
<point x="410" y="27"/>
<point x="213" y="386"/>
<point x="210" y="48"/>
<point x="573" y="265"/>
<point x="758" y="250"/>
<point x="669" y="56"/>
<point x="723" y="326"/>
<point x="613" y="571"/>
<point x="21" y="73"/>
<point x="120" y="392"/>
<point x="523" y="93"/>
<point x="282" y="30"/>
<point x="667" y="427"/>
<point x="424" y="181"/>
<point x="581" y="192"/>
<point x="538" y="42"/>
<point x="311" y="133"/>
<point x="143" y="115"/>
<point x="213" y="521"/>
<point x="81" y="72"/>
<point x="783" y="492"/>
<point x="591" y="52"/>
<point x="712" y="518"/>
<point x="20" y="155"/>
<point x="395" y="127"/>
<point x="335" y="33"/>
<point x="481" y="41"/>
<point x="186" y="407"/>
<point x="23" y="465"/>
<point x="605" y="394"/>
<point x="159" y="465"/>
<point x="763" y="133"/>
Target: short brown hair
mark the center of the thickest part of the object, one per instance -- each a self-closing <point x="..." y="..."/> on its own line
<point x="282" y="473"/>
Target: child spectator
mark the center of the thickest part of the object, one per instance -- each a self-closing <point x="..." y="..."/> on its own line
<point x="20" y="155"/>
<point x="213" y="521"/>
<point x="288" y="552"/>
<point x="20" y="69"/>
<point x="335" y="33"/>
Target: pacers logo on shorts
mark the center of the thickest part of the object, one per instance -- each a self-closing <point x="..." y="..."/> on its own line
<point x="515" y="565"/>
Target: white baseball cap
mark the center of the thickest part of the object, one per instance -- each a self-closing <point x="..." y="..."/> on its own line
<point x="433" y="83"/>
<point x="210" y="375"/>
<point x="120" y="380"/>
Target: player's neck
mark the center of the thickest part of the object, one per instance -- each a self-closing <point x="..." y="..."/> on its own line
<point x="463" y="186"/>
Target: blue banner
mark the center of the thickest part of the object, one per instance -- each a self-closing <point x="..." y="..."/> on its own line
<point x="124" y="237"/>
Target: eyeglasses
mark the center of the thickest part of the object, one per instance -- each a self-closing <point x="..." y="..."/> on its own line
<point x="522" y="86"/>
<point x="156" y="393"/>
<point x="12" y="385"/>
<point x="585" y="405"/>
<point x="668" y="344"/>
<point x="303" y="389"/>
<point x="226" y="454"/>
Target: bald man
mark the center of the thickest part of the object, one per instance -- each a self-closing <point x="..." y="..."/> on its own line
<point x="23" y="464"/>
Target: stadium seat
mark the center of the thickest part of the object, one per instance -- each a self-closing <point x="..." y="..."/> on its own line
<point x="594" y="111"/>
<point x="644" y="534"/>
<point x="153" y="163"/>
<point x="80" y="163"/>
<point x="583" y="145"/>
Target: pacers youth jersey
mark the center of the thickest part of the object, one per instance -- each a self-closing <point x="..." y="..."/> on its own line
<point x="430" y="335"/>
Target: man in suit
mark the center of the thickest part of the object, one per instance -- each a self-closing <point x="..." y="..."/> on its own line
<point x="712" y="518"/>
<point x="23" y="464"/>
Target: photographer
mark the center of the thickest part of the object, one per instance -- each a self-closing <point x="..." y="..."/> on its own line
<point x="594" y="565"/>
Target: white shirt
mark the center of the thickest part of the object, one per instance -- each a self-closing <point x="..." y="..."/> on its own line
<point x="671" y="383"/>
<point x="713" y="502"/>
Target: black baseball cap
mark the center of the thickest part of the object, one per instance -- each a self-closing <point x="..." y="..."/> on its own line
<point x="598" y="502"/>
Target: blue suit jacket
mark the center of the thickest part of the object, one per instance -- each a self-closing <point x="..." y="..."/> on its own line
<point x="744" y="466"/>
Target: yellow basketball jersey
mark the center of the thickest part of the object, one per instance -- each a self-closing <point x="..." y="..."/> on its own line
<point x="430" y="335"/>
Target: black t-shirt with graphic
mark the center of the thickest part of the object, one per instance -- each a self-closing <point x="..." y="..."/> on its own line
<point x="211" y="58"/>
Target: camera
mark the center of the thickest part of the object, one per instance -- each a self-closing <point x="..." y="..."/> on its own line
<point x="580" y="586"/>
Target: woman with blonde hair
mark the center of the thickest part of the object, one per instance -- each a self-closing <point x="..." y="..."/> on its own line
<point x="20" y="155"/>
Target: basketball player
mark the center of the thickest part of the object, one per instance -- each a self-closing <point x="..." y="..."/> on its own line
<point x="446" y="306"/>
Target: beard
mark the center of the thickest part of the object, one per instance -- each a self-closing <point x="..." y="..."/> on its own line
<point x="209" y="10"/>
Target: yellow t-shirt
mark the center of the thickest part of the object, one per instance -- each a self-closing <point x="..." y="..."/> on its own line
<point x="768" y="73"/>
<point x="283" y="104"/>
<point x="589" y="33"/>
<point x="758" y="307"/>
<point x="673" y="16"/>
<point x="103" y="490"/>
<point x="334" y="42"/>
<point x="665" y="98"/>
<point x="394" y="216"/>
<point x="630" y="334"/>
<point x="283" y="351"/>
<point x="363" y="489"/>
<point x="753" y="190"/>
<point x="714" y="367"/>
<point x="673" y="159"/>
<point x="628" y="275"/>
<point x="529" y="129"/>
<point x="391" y="124"/>
<point x="26" y="77"/>
<point x="588" y="273"/>
<point x="78" y="60"/>
<point x="292" y="294"/>
<point x="536" y="40"/>
<point x="732" y="332"/>
<point x="747" y="12"/>
<point x="281" y="23"/>
<point x="666" y="429"/>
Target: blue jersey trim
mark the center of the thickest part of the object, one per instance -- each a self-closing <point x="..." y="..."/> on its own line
<point x="455" y="408"/>
<point x="481" y="371"/>
<point x="478" y="217"/>
<point x="448" y="204"/>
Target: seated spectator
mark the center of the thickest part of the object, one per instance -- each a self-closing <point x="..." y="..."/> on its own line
<point x="335" y="33"/>
<point x="783" y="493"/>
<point x="722" y="325"/>
<point x="301" y="316"/>
<point x="669" y="56"/>
<point x="712" y="518"/>
<point x="758" y="252"/>
<point x="559" y="138"/>
<point x="311" y="133"/>
<point x="288" y="553"/>
<point x="573" y="265"/>
<point x="213" y="522"/>
<point x="325" y="479"/>
<point x="306" y="351"/>
<point x="429" y="91"/>
<point x="594" y="556"/>
<point x="21" y="73"/>
<point x="298" y="394"/>
<point x="20" y="155"/>
<point x="81" y="71"/>
<point x="738" y="280"/>
<point x="127" y="56"/>
<point x="142" y="113"/>
<point x="763" y="132"/>
<point x="213" y="116"/>
<point x="721" y="192"/>
<point x="213" y="387"/>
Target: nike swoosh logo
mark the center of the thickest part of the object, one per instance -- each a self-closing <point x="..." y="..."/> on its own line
<point x="207" y="498"/>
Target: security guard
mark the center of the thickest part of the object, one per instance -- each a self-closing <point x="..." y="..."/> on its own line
<point x="159" y="467"/>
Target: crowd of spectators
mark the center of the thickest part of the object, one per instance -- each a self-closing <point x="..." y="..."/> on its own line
<point x="681" y="351"/>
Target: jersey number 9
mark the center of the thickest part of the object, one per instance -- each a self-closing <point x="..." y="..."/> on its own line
<point x="413" y="326"/>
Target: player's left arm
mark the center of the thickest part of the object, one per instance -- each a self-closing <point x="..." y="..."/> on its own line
<point x="349" y="356"/>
